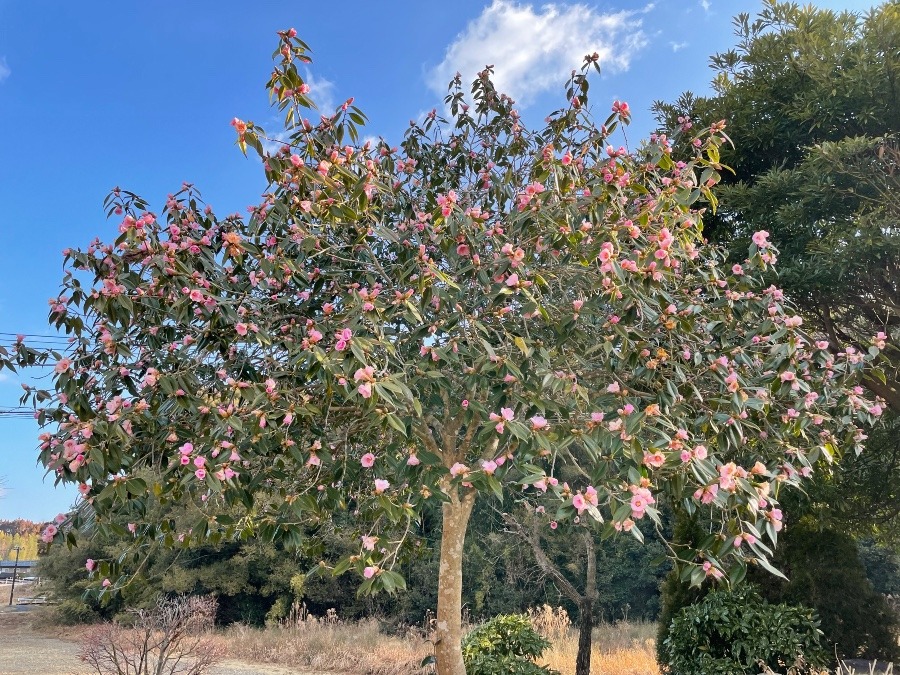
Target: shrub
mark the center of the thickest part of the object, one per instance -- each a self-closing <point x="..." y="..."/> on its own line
<point x="165" y="640"/>
<point x="738" y="632"/>
<point x="505" y="645"/>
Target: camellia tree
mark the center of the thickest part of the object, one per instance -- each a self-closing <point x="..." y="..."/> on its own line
<point x="481" y="311"/>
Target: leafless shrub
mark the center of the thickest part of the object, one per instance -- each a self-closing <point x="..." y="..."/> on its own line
<point x="169" y="639"/>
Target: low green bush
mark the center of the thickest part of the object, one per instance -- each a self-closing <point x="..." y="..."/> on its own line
<point x="731" y="633"/>
<point x="505" y="645"/>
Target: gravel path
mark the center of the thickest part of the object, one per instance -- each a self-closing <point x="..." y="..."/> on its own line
<point x="24" y="651"/>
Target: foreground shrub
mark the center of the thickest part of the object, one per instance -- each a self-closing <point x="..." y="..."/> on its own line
<point x="738" y="632"/>
<point x="165" y="640"/>
<point x="505" y="645"/>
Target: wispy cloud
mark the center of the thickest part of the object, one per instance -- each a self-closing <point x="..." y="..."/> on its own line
<point x="4" y="69"/>
<point x="678" y="46"/>
<point x="706" y="5"/>
<point x="533" y="51"/>
<point x="321" y="91"/>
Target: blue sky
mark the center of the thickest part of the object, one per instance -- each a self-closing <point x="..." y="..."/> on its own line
<point x="98" y="94"/>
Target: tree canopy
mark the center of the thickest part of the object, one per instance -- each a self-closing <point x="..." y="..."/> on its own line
<point x="472" y="313"/>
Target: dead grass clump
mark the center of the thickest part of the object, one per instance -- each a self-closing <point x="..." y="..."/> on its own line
<point x="622" y="648"/>
<point x="329" y="645"/>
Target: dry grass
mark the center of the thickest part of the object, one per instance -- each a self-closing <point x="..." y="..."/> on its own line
<point x="329" y="645"/>
<point x="334" y="646"/>
<point x="623" y="648"/>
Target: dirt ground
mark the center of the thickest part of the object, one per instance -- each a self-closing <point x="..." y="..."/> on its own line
<point x="26" y="651"/>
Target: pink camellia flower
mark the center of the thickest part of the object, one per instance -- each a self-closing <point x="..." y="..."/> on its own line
<point x="84" y="488"/>
<point x="90" y="564"/>
<point x="381" y="485"/>
<point x="370" y="572"/>
<point x="458" y="469"/>
<point x="241" y="328"/>
<point x="365" y="390"/>
<point x="132" y="527"/>
<point x="788" y="376"/>
<point x="553" y="525"/>
<point x="512" y="280"/>
<point x="540" y="484"/>
<point x="200" y="474"/>
<point x="106" y="583"/>
<point x="538" y="422"/>
<point x="614" y="388"/>
<point x="654" y="459"/>
<point x="368" y="542"/>
<point x="578" y="502"/>
<point x="821" y="344"/>
<point x="367" y="460"/>
<point x="412" y="460"/>
<point x="700" y="452"/>
<point x="60" y="518"/>
<point x="761" y="239"/>
<point x="489" y="467"/>
<point x="185" y="460"/>
<point x="63" y="365"/>
<point x="639" y="506"/>
<point x="199" y="462"/>
<point x="737" y="270"/>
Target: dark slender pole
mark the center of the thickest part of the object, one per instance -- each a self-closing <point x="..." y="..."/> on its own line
<point x="15" y="569"/>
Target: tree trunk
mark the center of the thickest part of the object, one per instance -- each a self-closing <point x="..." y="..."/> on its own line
<point x="585" y="628"/>
<point x="448" y="636"/>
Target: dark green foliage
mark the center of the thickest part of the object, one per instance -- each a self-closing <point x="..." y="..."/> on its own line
<point x="825" y="573"/>
<point x="505" y="645"/>
<point x="675" y="593"/>
<point x="882" y="567"/>
<point x="729" y="633"/>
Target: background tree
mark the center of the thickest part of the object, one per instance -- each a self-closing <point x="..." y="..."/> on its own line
<point x="812" y="101"/>
<point x="463" y="317"/>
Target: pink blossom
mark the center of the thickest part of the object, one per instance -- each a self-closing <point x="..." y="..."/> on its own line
<point x="241" y="328"/>
<point x="367" y="460"/>
<point x="381" y="485"/>
<point x="412" y="460"/>
<point x="365" y="390"/>
<point x="761" y="239"/>
<point x="90" y="564"/>
<point x="578" y="502"/>
<point x="63" y="365"/>
<point x="106" y="583"/>
<point x="538" y="422"/>
<point x="458" y="469"/>
<point x="368" y="542"/>
<point x="489" y="467"/>
<point x="199" y="462"/>
<point x="200" y="474"/>
<point x="788" y="376"/>
<point x="370" y="572"/>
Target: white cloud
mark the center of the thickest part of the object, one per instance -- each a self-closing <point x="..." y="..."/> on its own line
<point x="4" y="69"/>
<point x="321" y="91"/>
<point x="533" y="51"/>
<point x="678" y="46"/>
<point x="706" y="5"/>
